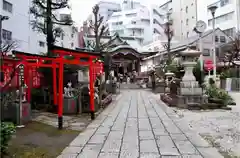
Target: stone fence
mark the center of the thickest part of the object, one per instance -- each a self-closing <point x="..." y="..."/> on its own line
<point x="230" y="84"/>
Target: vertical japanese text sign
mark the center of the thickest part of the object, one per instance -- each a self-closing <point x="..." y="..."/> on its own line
<point x="21" y="74"/>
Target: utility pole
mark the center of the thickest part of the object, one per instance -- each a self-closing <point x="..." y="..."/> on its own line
<point x="238" y="14"/>
<point x="213" y="9"/>
<point x="169" y="33"/>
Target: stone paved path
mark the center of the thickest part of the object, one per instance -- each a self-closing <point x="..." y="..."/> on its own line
<point x="137" y="125"/>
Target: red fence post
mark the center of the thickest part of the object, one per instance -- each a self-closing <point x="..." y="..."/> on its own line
<point x="54" y="85"/>
<point x="60" y="96"/>
<point x="28" y="82"/>
<point x="91" y="89"/>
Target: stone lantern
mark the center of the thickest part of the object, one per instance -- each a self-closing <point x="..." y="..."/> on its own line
<point x="189" y="92"/>
<point x="189" y="60"/>
<point x="169" y="77"/>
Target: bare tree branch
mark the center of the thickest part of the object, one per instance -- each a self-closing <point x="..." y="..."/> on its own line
<point x="40" y="3"/>
<point x="67" y="20"/>
<point x="39" y="27"/>
<point x="59" y="5"/>
<point x="98" y="28"/>
<point x="232" y="55"/>
<point x="7" y="46"/>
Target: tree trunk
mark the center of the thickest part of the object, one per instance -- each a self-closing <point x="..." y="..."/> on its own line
<point x="50" y="39"/>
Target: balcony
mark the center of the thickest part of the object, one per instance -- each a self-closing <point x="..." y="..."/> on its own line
<point x="158" y="27"/>
<point x="137" y="26"/>
<point x="117" y="27"/>
<point x="138" y="36"/>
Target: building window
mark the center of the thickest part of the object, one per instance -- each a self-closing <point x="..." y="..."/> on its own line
<point x="192" y="17"/>
<point x="224" y="2"/>
<point x="230" y="32"/>
<point x="186" y="9"/>
<point x="7" y="6"/>
<point x="62" y="44"/>
<point x="72" y="35"/>
<point x="131" y="15"/>
<point x="117" y="23"/>
<point x="133" y="22"/>
<point x="222" y="18"/>
<point x="73" y="30"/>
<point x="209" y="22"/>
<point x="206" y="52"/>
<point x="187" y="34"/>
<point x="187" y="22"/>
<point x="6" y="35"/>
<point x="217" y="52"/>
<point x="216" y="39"/>
<point x="72" y="45"/>
<point x="41" y="43"/>
<point x="62" y="36"/>
<point x="222" y="39"/>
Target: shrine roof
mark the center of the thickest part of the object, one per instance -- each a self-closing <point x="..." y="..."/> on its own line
<point x="78" y="50"/>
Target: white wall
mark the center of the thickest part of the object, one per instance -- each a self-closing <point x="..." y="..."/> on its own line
<point x="183" y="11"/>
<point x="19" y="25"/>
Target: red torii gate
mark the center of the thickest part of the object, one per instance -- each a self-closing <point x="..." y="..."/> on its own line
<point x="79" y="58"/>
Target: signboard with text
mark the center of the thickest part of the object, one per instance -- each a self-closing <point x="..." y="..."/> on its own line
<point x="208" y="65"/>
<point x="21" y="74"/>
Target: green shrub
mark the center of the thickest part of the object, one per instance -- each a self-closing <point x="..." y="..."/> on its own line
<point x="199" y="75"/>
<point x="211" y="81"/>
<point x="216" y="93"/>
<point x="225" y="74"/>
<point x="7" y="130"/>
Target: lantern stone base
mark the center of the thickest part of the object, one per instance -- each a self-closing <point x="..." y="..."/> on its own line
<point x="11" y="113"/>
<point x="86" y="106"/>
<point x="69" y="106"/>
<point x="186" y="102"/>
<point x="189" y="101"/>
<point x="190" y="91"/>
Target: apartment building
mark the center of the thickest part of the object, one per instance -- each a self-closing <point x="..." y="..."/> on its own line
<point x="184" y="16"/>
<point x="106" y="9"/>
<point x="138" y="21"/>
<point x="226" y="16"/>
<point x="18" y="29"/>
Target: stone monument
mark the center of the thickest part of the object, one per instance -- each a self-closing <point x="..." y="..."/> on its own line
<point x="70" y="103"/>
<point x="189" y="93"/>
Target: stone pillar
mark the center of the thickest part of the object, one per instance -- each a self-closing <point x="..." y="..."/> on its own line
<point x="168" y="75"/>
<point x="138" y="66"/>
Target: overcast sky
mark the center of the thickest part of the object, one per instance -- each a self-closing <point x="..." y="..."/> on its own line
<point x="82" y="8"/>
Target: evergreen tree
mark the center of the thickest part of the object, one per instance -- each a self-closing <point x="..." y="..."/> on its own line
<point x="45" y="20"/>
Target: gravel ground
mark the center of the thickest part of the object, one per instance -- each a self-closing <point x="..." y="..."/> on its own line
<point x="219" y="127"/>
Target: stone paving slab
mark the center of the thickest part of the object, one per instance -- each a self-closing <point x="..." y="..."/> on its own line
<point x="137" y="125"/>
